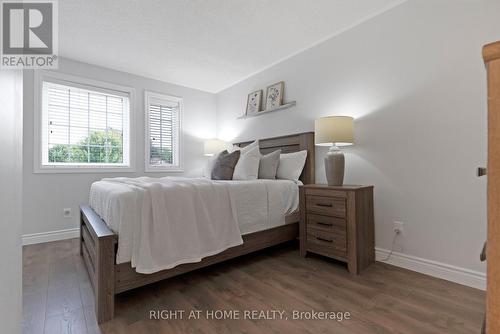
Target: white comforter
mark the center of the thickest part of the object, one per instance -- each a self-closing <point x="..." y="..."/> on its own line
<point x="164" y="222"/>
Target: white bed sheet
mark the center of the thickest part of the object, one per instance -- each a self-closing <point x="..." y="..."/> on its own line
<point x="281" y="196"/>
<point x="257" y="205"/>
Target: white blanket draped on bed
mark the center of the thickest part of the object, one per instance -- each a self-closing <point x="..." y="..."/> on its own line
<point x="181" y="220"/>
<point x="163" y="222"/>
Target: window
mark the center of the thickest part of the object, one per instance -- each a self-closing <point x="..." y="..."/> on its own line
<point x="163" y="120"/>
<point x="83" y="126"/>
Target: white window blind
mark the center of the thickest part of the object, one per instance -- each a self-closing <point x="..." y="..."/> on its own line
<point x="163" y="117"/>
<point x="84" y="126"/>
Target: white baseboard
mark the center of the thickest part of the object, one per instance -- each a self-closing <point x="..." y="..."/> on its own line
<point x="36" y="238"/>
<point x="448" y="272"/>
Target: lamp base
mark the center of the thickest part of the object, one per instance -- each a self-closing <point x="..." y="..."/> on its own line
<point x="334" y="166"/>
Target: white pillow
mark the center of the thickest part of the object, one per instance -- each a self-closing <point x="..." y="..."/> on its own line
<point x="246" y="148"/>
<point x="291" y="165"/>
<point x="247" y="167"/>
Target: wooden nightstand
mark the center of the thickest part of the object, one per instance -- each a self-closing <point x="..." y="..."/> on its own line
<point x="337" y="222"/>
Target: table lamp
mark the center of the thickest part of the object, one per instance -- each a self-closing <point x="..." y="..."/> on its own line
<point x="334" y="131"/>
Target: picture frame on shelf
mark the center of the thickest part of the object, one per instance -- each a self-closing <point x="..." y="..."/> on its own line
<point x="274" y="95"/>
<point x="254" y="102"/>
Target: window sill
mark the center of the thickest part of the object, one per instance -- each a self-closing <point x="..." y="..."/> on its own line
<point x="82" y="170"/>
<point x="163" y="170"/>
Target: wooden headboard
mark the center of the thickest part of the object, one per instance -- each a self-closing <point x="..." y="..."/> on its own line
<point x="288" y="144"/>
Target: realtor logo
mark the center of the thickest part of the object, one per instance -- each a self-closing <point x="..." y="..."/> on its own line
<point x="29" y="34"/>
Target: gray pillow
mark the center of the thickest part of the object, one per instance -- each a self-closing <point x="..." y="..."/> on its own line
<point x="269" y="165"/>
<point x="224" y="165"/>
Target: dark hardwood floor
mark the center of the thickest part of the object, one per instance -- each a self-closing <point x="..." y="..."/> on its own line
<point x="58" y="298"/>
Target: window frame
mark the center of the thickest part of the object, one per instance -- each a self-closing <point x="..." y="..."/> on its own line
<point x="76" y="81"/>
<point x="148" y="168"/>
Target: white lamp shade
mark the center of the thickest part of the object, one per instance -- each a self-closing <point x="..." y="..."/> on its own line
<point x="334" y="130"/>
<point x="214" y="146"/>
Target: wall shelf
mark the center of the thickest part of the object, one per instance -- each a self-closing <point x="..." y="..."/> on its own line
<point x="263" y="112"/>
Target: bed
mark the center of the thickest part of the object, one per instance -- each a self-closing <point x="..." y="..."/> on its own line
<point x="109" y="266"/>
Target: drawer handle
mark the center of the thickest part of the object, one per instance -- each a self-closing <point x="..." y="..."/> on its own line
<point x="323" y="239"/>
<point x="326" y="224"/>
<point x="325" y="205"/>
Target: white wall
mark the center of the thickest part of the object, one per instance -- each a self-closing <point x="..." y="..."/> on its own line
<point x="414" y="80"/>
<point x="11" y="113"/>
<point x="45" y="195"/>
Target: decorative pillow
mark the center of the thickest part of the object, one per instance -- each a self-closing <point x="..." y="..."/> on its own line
<point x="224" y="165"/>
<point x="291" y="165"/>
<point x="247" y="167"/>
<point x="269" y="165"/>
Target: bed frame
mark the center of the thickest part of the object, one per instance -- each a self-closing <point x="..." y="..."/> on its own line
<point x="98" y="243"/>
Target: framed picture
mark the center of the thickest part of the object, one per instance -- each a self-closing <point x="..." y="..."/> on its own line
<point x="254" y="102"/>
<point x="274" y="95"/>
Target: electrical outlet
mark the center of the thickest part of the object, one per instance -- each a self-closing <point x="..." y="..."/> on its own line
<point x="398" y="227"/>
<point x="67" y="212"/>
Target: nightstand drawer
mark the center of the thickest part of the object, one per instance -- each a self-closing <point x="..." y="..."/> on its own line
<point x="326" y="243"/>
<point x="327" y="223"/>
<point x="330" y="206"/>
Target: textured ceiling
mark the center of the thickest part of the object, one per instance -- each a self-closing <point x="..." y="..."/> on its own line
<point x="204" y="44"/>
